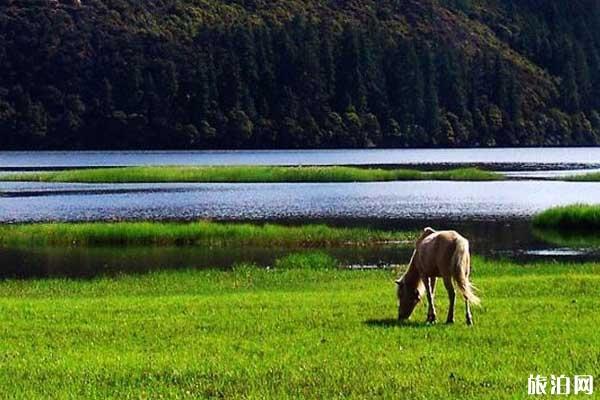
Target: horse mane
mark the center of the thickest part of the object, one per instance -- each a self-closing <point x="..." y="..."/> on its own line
<point x="411" y="277"/>
<point x="426" y="232"/>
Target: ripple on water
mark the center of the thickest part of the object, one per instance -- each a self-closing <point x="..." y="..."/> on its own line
<point x="384" y="200"/>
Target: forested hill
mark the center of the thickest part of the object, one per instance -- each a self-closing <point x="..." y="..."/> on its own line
<point x="198" y="74"/>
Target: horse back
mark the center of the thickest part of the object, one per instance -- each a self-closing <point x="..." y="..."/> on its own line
<point x="436" y="252"/>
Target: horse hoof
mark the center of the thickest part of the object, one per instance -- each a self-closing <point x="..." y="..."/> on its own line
<point x="470" y="323"/>
<point x="450" y="321"/>
<point x="431" y="321"/>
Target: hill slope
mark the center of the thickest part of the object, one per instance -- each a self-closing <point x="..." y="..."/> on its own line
<point x="291" y="73"/>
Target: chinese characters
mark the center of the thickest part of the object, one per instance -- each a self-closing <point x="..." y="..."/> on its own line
<point x="560" y="385"/>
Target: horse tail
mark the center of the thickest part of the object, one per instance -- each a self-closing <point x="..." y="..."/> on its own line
<point x="461" y="261"/>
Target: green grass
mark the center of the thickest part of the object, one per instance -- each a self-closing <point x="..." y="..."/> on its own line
<point x="576" y="217"/>
<point x="248" y="174"/>
<point x="303" y="329"/>
<point x="589" y="177"/>
<point x="194" y="233"/>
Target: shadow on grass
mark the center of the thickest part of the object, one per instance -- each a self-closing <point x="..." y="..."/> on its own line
<point x="394" y="322"/>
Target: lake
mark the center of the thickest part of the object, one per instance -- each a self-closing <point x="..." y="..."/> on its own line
<point x="523" y="158"/>
<point x="32" y="201"/>
<point x="494" y="215"/>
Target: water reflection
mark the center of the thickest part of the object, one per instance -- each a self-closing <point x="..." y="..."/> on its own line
<point x="46" y="262"/>
<point x="584" y="239"/>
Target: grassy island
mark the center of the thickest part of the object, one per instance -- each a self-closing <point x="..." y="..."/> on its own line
<point x="588" y="177"/>
<point x="576" y="217"/>
<point x="248" y="174"/>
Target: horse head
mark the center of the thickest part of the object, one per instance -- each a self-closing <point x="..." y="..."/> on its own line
<point x="408" y="295"/>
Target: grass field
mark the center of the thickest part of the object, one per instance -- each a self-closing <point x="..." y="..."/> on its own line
<point x="248" y="174"/>
<point x="194" y="233"/>
<point x="576" y="217"/>
<point x="301" y="329"/>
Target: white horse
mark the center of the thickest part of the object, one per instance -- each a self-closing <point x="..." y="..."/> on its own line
<point x="442" y="254"/>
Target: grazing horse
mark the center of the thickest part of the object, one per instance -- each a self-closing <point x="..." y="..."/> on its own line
<point x="442" y="254"/>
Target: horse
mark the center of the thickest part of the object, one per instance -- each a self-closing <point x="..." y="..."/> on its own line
<point x="442" y="254"/>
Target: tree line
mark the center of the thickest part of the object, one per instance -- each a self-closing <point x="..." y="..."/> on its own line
<point x="304" y="82"/>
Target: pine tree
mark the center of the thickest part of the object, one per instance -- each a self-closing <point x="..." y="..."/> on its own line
<point x="501" y="83"/>
<point x="569" y="90"/>
<point x="432" y="110"/>
<point x="231" y="83"/>
<point x="200" y="96"/>
<point x="452" y="87"/>
<point x="407" y="85"/>
<point x="311" y="86"/>
<point x="515" y="103"/>
<point x="327" y="64"/>
<point x="582" y="77"/>
<point x="265" y="96"/>
<point x="285" y="99"/>
<point x="350" y="83"/>
<point x="244" y="48"/>
<point x="375" y="81"/>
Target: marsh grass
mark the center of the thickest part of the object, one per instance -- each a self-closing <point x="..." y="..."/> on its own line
<point x="579" y="218"/>
<point x="589" y="177"/>
<point x="248" y="174"/>
<point x="302" y="329"/>
<point x="194" y="233"/>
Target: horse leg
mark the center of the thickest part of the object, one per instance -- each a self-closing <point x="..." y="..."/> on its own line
<point x="468" y="313"/>
<point x="430" y="286"/>
<point x="451" y="297"/>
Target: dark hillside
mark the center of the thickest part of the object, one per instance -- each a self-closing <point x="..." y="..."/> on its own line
<point x="292" y="73"/>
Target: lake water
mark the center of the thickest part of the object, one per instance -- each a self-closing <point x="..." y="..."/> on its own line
<point x="494" y="215"/>
<point x="28" y="202"/>
<point x="524" y="158"/>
